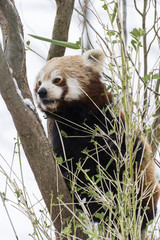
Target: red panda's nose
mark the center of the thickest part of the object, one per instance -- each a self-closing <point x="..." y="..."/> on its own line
<point x="42" y="92"/>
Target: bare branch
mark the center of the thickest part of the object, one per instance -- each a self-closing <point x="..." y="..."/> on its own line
<point x="147" y="10"/>
<point x="135" y="4"/>
<point x="153" y="25"/>
<point x="150" y="44"/>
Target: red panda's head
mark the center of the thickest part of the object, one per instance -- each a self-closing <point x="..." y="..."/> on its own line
<point x="69" y="79"/>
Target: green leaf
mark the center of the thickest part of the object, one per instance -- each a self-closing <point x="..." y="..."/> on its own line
<point x="112" y="131"/>
<point x="136" y="33"/>
<point x="146" y="78"/>
<point x="59" y="160"/>
<point x="28" y="43"/>
<point x="100" y="215"/>
<point x="149" y="223"/>
<point x="142" y="32"/>
<point x="93" y="179"/>
<point x="94" y="133"/>
<point x="114" y="12"/>
<point x="79" y="42"/>
<point x="67" y="230"/>
<point x="92" y="234"/>
<point x="60" y="196"/>
<point x="110" y="33"/>
<point x="108" y="194"/>
<point x="99" y="178"/>
<point x="108" y="164"/>
<point x="36" y="222"/>
<point x="57" y="42"/>
<point x="63" y="133"/>
<point x="115" y="41"/>
<point x="105" y="6"/>
<point x="108" y="88"/>
<point x="133" y="42"/>
<point x="156" y="76"/>
<point x="85" y="151"/>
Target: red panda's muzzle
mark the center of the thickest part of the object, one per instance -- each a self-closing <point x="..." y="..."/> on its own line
<point x="42" y="92"/>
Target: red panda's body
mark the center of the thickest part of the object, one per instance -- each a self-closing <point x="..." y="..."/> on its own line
<point x="89" y="136"/>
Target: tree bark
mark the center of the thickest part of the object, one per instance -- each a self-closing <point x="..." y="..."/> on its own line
<point x="14" y="89"/>
<point x="61" y="26"/>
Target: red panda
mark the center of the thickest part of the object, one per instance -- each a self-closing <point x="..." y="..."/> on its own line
<point x="89" y="137"/>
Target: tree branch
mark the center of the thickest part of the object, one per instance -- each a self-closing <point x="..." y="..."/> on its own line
<point x="61" y="26"/>
<point x="14" y="47"/>
<point x="135" y="5"/>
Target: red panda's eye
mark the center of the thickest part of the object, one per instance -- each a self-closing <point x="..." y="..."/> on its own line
<point x="39" y="83"/>
<point x="57" y="80"/>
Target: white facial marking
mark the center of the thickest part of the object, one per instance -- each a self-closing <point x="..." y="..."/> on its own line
<point x="55" y="73"/>
<point x="74" y="90"/>
<point x="41" y="75"/>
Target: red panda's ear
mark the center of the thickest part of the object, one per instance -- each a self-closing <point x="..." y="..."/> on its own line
<point x="95" y="59"/>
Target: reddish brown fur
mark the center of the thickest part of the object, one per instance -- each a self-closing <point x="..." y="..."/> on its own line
<point x="148" y="166"/>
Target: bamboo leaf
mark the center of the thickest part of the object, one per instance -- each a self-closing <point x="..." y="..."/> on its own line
<point x="57" y="42"/>
<point x="156" y="76"/>
<point x="114" y="12"/>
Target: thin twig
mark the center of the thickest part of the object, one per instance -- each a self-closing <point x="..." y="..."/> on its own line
<point x="125" y="21"/>
<point x="157" y="162"/>
<point x="135" y="4"/>
<point x="1" y="195"/>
